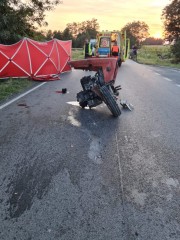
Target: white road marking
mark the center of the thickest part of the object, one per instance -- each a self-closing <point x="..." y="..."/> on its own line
<point x="74" y="103"/>
<point x="22" y="95"/>
<point x="167" y="79"/>
<point x="157" y="73"/>
<point x="178" y="85"/>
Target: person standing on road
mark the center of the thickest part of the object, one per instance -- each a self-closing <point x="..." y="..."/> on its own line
<point x="87" y="49"/>
<point x="115" y="49"/>
<point x="134" y="52"/>
<point x="116" y="53"/>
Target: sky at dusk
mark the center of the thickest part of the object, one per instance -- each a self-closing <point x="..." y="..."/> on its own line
<point x="110" y="14"/>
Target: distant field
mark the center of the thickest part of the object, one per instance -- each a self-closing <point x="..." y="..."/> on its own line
<point x="156" y="55"/>
<point x="77" y="53"/>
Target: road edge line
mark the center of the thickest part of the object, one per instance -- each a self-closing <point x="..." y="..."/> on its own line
<point x="22" y="95"/>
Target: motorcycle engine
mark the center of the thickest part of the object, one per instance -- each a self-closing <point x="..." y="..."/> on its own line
<point x="87" y="97"/>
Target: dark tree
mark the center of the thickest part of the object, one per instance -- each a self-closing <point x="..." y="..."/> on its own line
<point x="136" y="31"/>
<point x="175" y="49"/>
<point x="19" y="19"/>
<point x="90" y="27"/>
<point x="49" y="35"/>
<point x="58" y="35"/>
<point x="79" y="42"/>
<point x="171" y="16"/>
<point x="66" y="34"/>
<point x="81" y="31"/>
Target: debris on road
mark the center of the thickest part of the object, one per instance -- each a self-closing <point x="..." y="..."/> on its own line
<point x="23" y="105"/>
<point x="63" y="91"/>
<point x="126" y="105"/>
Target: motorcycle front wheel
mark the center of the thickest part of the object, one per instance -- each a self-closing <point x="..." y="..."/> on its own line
<point x="110" y="101"/>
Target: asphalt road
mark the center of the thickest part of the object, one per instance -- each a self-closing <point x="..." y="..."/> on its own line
<point x="73" y="174"/>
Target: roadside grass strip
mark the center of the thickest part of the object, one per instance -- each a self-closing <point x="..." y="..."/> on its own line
<point x="22" y="95"/>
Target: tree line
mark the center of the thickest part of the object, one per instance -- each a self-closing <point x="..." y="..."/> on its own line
<point x="77" y="32"/>
<point x="19" y="19"/>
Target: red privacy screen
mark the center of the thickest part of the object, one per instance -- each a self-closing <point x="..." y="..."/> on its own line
<point x="36" y="60"/>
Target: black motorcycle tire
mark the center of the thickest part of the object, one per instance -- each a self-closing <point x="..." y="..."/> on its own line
<point x="110" y="101"/>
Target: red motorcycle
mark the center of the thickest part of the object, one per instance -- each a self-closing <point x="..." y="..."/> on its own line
<point x="100" y="87"/>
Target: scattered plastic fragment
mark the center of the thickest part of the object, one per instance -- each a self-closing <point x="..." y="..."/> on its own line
<point x="126" y="105"/>
<point x="63" y="91"/>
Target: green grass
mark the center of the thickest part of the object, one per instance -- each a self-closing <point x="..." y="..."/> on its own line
<point x="77" y="54"/>
<point x="156" y="55"/>
<point x="11" y="86"/>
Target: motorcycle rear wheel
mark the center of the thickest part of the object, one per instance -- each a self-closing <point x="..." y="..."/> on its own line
<point x="110" y="101"/>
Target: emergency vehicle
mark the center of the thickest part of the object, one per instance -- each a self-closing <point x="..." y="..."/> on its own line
<point x="105" y="40"/>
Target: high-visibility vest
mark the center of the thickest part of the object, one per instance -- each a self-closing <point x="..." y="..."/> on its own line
<point x="115" y="49"/>
<point x="89" y="49"/>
